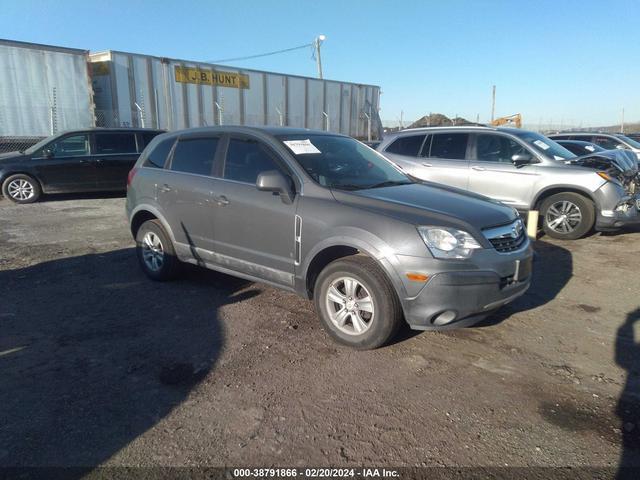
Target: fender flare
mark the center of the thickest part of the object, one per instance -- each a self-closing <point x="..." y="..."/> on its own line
<point x="373" y="246"/>
<point x="156" y="213"/>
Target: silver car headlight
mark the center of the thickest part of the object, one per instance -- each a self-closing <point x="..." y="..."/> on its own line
<point x="445" y="242"/>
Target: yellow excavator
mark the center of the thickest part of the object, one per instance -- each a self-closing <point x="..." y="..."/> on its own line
<point x="515" y="120"/>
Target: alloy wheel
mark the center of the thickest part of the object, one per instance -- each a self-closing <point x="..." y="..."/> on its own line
<point x="21" y="189"/>
<point x="563" y="217"/>
<point x="152" y="251"/>
<point x="350" y="306"/>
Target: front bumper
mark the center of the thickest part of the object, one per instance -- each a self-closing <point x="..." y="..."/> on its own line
<point x="459" y="298"/>
<point x="615" y="208"/>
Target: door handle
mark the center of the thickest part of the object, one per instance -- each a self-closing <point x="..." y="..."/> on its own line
<point x="165" y="188"/>
<point x="427" y="165"/>
<point x="478" y="169"/>
<point x="221" y="200"/>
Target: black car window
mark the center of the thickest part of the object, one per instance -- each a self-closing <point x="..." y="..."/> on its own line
<point x="449" y="145"/>
<point x="115" y="143"/>
<point x="158" y="156"/>
<point x="409" y="145"/>
<point x="246" y="159"/>
<point x="147" y="137"/>
<point x="496" y="148"/>
<point x="194" y="155"/>
<point x="72" y="146"/>
<point x="574" y="148"/>
<point x="607" y="143"/>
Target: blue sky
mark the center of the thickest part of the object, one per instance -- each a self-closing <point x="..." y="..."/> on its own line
<point x="574" y="62"/>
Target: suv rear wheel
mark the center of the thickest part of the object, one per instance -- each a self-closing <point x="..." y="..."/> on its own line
<point x="21" y="188"/>
<point x="155" y="251"/>
<point x="567" y="216"/>
<point x="356" y="303"/>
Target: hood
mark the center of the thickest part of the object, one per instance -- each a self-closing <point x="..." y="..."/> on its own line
<point x="622" y="161"/>
<point x="431" y="204"/>
<point x="11" y="156"/>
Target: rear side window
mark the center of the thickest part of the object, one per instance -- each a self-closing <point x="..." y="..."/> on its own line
<point x="449" y="145"/>
<point x="409" y="145"/>
<point x="194" y="155"/>
<point x="114" y="143"/>
<point x="246" y="159"/>
<point x="158" y="156"/>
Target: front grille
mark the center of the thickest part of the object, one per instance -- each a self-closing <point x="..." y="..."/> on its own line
<point x="507" y="238"/>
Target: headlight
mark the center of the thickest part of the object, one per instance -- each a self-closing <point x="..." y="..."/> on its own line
<point x="448" y="242"/>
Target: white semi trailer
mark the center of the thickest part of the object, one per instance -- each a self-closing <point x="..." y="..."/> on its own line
<point x="146" y="91"/>
<point x="43" y="90"/>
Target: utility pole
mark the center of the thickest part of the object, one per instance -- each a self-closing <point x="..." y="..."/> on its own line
<point x="316" y="44"/>
<point x="622" y="122"/>
<point x="493" y="104"/>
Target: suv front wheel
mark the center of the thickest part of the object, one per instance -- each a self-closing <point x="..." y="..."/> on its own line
<point x="567" y="216"/>
<point x="356" y="303"/>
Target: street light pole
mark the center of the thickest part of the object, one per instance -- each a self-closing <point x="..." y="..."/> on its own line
<point x="316" y="43"/>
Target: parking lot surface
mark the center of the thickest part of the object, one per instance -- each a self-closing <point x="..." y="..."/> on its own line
<point x="100" y="365"/>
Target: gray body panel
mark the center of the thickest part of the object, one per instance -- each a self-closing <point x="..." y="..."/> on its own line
<point x="254" y="235"/>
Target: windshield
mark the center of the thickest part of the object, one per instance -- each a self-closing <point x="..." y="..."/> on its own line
<point x="39" y="145"/>
<point x="630" y="141"/>
<point x="545" y="145"/>
<point x="342" y="162"/>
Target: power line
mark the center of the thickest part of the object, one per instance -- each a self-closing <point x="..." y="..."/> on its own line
<point x="224" y="60"/>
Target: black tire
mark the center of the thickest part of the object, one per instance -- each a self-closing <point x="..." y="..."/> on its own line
<point x="29" y="186"/>
<point x="386" y="317"/>
<point x="585" y="207"/>
<point x="167" y="269"/>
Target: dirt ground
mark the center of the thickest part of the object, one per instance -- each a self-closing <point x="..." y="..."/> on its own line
<point x="100" y="366"/>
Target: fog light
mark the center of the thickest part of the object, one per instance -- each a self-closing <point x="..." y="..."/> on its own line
<point x="443" y="318"/>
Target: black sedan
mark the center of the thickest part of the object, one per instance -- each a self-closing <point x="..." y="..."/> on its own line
<point x="96" y="159"/>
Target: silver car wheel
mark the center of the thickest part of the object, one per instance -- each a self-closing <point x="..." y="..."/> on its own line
<point x="152" y="251"/>
<point x="21" y="189"/>
<point x="350" y="306"/>
<point x="563" y="217"/>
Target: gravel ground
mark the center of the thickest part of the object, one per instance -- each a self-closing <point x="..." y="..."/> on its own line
<point x="101" y="366"/>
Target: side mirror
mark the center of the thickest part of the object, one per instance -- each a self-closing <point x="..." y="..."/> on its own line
<point x="621" y="147"/>
<point x="274" y="181"/>
<point x="47" y="153"/>
<point x="521" y="159"/>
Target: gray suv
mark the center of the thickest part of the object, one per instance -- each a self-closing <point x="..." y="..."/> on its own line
<point x="328" y="218"/>
<point x="527" y="171"/>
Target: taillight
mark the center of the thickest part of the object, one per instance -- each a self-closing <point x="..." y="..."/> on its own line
<point x="132" y="173"/>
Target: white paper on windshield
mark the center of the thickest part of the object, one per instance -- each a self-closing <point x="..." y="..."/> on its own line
<point x="541" y="144"/>
<point x="558" y="158"/>
<point x="301" y="147"/>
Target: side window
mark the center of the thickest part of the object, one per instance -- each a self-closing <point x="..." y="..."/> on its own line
<point x="158" y="156"/>
<point x="115" y="143"/>
<point x="496" y="148"/>
<point x="246" y="159"/>
<point x="409" y="145"/>
<point x="147" y="137"/>
<point x="194" y="155"/>
<point x="449" y="145"/>
<point x="73" y="146"/>
<point x="607" y="143"/>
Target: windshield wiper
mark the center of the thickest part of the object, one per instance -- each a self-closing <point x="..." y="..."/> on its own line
<point x="389" y="183"/>
<point x="348" y="186"/>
